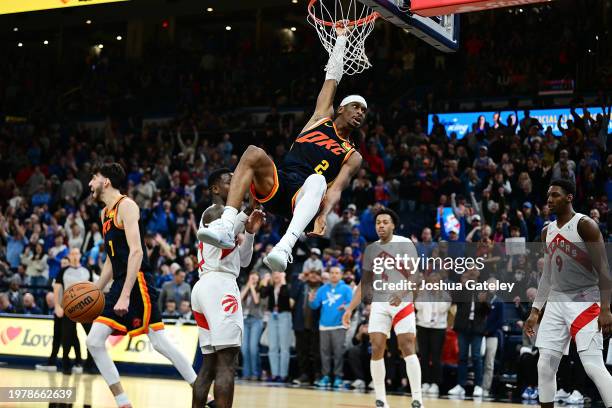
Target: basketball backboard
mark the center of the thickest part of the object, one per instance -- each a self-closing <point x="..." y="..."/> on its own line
<point x="441" y="32"/>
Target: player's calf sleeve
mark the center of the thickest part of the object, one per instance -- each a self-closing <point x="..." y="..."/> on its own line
<point x="377" y="369"/>
<point x="548" y="364"/>
<point x="592" y="361"/>
<point x="162" y="345"/>
<point x="96" y="340"/>
<point x="306" y="208"/>
<point x="413" y="369"/>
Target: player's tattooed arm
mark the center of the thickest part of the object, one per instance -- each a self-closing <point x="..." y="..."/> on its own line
<point x="589" y="232"/>
<point x="129" y="214"/>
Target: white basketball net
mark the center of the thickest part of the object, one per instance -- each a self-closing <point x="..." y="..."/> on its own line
<point x="326" y="15"/>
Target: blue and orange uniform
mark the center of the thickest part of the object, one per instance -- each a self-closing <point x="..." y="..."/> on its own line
<point x="318" y="150"/>
<point x="143" y="312"/>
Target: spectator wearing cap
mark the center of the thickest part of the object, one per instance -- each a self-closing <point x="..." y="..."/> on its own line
<point x="352" y="209"/>
<point x="313" y="263"/>
<point x="341" y="232"/>
<point x="177" y="290"/>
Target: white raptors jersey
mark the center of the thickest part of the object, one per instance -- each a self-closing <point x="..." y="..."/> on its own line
<point x="398" y="238"/>
<point x="401" y="246"/>
<point x="571" y="268"/>
<point x="213" y="259"/>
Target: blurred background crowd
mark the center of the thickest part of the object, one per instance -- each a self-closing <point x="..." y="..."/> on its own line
<point x="483" y="188"/>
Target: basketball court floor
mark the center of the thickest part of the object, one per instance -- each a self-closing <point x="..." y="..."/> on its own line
<point x="91" y="390"/>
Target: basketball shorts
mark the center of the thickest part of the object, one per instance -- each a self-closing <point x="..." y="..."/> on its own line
<point x="143" y="312"/>
<point x="281" y="199"/>
<point x="564" y="321"/>
<point x="215" y="301"/>
<point x="383" y="317"/>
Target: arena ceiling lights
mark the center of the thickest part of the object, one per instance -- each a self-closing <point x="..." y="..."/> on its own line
<point x="22" y="6"/>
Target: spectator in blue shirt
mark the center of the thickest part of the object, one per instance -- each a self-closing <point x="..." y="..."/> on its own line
<point x="332" y="298"/>
<point x="55" y="255"/>
<point x="16" y="242"/>
<point x="366" y="222"/>
<point x="163" y="219"/>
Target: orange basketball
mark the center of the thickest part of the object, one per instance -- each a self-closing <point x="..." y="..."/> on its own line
<point x="83" y="302"/>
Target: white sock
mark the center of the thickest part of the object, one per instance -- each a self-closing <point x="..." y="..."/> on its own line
<point x="413" y="369"/>
<point x="377" y="369"/>
<point x="306" y="208"/>
<point x="122" y="399"/>
<point x="163" y="346"/>
<point x="229" y="216"/>
<point x="96" y="340"/>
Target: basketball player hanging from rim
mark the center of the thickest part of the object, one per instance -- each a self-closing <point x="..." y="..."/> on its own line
<point x="131" y="304"/>
<point x="319" y="165"/>
<point x="575" y="286"/>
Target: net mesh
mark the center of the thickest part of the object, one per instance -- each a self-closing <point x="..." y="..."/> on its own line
<point x="327" y="16"/>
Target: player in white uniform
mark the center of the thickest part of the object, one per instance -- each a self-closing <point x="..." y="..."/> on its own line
<point x="215" y="298"/>
<point x="385" y="315"/>
<point x="575" y="286"/>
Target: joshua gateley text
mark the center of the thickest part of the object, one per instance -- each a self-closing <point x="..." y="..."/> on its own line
<point x="406" y="285"/>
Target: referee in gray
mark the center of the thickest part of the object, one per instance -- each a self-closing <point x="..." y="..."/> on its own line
<point x="68" y="276"/>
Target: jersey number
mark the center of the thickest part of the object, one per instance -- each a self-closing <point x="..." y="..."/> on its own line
<point x="110" y="244"/>
<point x="559" y="263"/>
<point x="321" y="167"/>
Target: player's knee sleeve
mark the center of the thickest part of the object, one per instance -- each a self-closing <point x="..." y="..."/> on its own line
<point x="592" y="361"/>
<point x="548" y="363"/>
<point x="97" y="336"/>
<point x="315" y="184"/>
<point x="163" y="346"/>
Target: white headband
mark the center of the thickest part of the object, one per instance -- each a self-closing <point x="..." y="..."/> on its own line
<point x="354" y="98"/>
